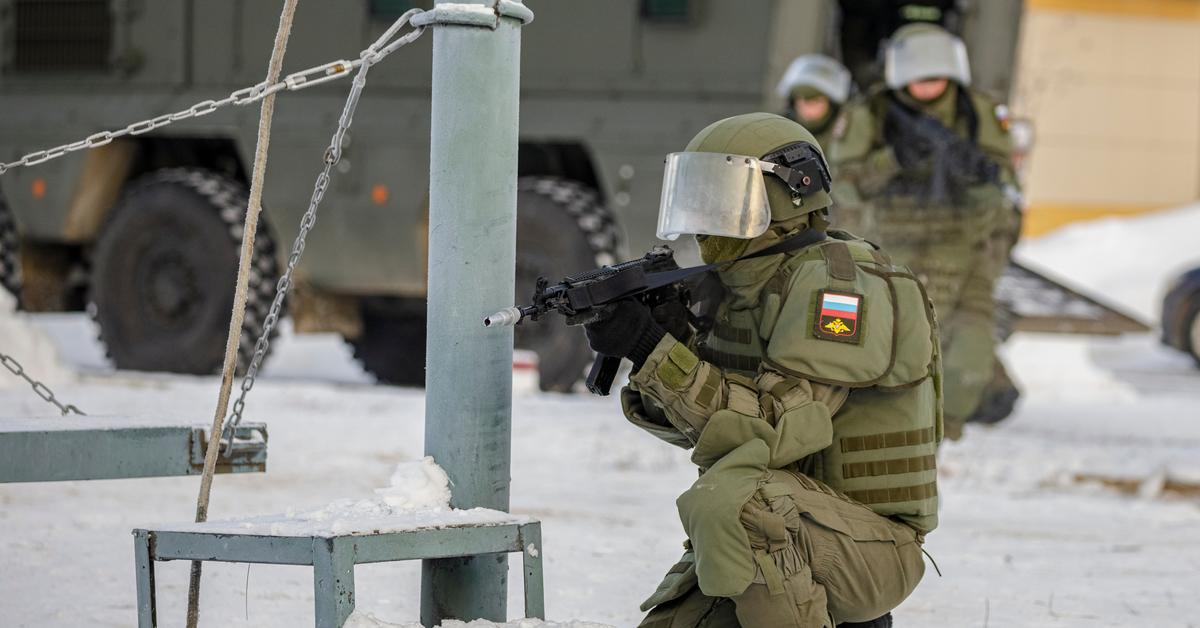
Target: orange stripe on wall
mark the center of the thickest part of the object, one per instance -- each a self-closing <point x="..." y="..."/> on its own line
<point x="1042" y="218"/>
<point x="1166" y="9"/>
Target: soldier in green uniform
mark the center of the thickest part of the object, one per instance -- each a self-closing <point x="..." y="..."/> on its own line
<point x="924" y="168"/>
<point x="815" y="88"/>
<point x="811" y="403"/>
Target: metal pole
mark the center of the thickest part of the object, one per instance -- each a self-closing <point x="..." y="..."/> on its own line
<point x="472" y="253"/>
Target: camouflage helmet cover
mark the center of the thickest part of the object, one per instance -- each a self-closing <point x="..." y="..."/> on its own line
<point x="923" y="51"/>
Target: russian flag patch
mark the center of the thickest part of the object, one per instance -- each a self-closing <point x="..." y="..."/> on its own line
<point x="837" y="316"/>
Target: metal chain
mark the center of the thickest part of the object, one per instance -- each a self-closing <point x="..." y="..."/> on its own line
<point x="41" y="389"/>
<point x="293" y="82"/>
<point x="247" y="95"/>
<point x="369" y="57"/>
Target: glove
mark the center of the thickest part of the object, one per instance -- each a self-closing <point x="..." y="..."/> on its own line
<point x="970" y="166"/>
<point x="673" y="317"/>
<point x="911" y="155"/>
<point x="628" y="331"/>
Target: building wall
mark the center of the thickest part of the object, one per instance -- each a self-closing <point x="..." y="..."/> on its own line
<point x="1113" y="89"/>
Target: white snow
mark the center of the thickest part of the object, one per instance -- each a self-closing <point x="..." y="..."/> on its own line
<point x="360" y="619"/>
<point x="29" y="346"/>
<point x="417" y="499"/>
<point x="1030" y="533"/>
<point x="349" y="517"/>
<point x="1126" y="260"/>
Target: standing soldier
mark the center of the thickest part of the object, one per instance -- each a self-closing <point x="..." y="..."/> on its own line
<point x="924" y="164"/>
<point x="812" y="405"/>
<point x="815" y="88"/>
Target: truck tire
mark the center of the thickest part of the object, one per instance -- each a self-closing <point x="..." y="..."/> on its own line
<point x="561" y="229"/>
<point x="164" y="268"/>
<point x="1192" y="328"/>
<point x="392" y="347"/>
<point x="10" y="253"/>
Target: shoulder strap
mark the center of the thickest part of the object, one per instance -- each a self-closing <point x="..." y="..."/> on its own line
<point x="806" y="238"/>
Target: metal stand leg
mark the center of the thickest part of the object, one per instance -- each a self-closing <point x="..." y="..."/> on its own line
<point x="333" y="580"/>
<point x="146" y="608"/>
<point x="535" y="601"/>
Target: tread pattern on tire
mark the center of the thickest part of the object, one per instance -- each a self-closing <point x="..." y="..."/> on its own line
<point x="10" y="256"/>
<point x="580" y="202"/>
<point x="229" y="197"/>
<point x="583" y="204"/>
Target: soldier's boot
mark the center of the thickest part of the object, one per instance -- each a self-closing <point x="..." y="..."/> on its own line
<point x="999" y="399"/>
<point x="692" y="610"/>
<point x="879" y="622"/>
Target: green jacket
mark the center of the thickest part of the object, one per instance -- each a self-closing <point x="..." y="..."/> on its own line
<point x="826" y="360"/>
<point x="875" y="197"/>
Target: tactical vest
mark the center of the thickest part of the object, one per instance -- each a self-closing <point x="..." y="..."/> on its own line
<point x="868" y="326"/>
<point x="898" y="216"/>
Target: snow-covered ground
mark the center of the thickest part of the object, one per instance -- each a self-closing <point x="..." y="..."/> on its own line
<point x="1076" y="512"/>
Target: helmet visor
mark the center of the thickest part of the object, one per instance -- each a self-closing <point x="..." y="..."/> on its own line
<point x="713" y="194"/>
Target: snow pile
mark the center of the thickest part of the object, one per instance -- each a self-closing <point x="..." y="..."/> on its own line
<point x="29" y="346"/>
<point x="360" y="619"/>
<point x="417" y="485"/>
<point x="1060" y="368"/>
<point x="1125" y="261"/>
<point x="418" y="499"/>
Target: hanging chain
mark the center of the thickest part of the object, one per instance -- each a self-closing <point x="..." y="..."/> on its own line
<point x="292" y="82"/>
<point x="247" y="95"/>
<point x="41" y="389"/>
<point x="369" y="57"/>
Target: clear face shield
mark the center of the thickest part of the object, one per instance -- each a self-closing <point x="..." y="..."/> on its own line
<point x="719" y="194"/>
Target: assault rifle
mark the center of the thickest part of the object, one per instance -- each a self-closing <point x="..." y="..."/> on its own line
<point x="955" y="159"/>
<point x="654" y="279"/>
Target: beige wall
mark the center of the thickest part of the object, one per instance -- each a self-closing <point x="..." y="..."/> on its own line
<point x="1113" y="88"/>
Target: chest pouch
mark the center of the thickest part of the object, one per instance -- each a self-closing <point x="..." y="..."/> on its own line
<point x="852" y="321"/>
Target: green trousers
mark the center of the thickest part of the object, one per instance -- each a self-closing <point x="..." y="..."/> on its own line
<point x="839" y="562"/>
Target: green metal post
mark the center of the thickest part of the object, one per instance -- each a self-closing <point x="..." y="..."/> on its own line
<point x="472" y="252"/>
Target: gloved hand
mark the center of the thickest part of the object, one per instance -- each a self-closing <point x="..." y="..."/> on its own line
<point x="911" y="155"/>
<point x="628" y="331"/>
<point x="673" y="317"/>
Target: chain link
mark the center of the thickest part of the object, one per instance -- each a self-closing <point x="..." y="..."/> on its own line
<point x="299" y="80"/>
<point x="39" y="388"/>
<point x="333" y="153"/>
<point x="247" y="95"/>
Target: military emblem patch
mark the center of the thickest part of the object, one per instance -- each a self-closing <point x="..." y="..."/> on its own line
<point x="1002" y="117"/>
<point x="837" y="316"/>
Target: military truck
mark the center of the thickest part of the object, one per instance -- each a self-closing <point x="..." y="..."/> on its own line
<point x="143" y="232"/>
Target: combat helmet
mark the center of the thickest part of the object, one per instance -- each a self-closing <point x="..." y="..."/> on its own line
<point x="739" y="177"/>
<point x="923" y="51"/>
<point x="819" y="73"/>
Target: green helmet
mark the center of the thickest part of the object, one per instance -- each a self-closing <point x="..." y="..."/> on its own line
<point x="922" y="51"/>
<point x="743" y="182"/>
<point x="772" y="138"/>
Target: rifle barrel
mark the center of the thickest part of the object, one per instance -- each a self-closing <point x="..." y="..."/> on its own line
<point x="508" y="317"/>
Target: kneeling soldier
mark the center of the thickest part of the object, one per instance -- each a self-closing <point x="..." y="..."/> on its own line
<point x="812" y="405"/>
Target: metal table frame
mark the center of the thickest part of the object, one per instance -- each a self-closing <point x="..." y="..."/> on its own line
<point x="333" y="559"/>
<point x="56" y="449"/>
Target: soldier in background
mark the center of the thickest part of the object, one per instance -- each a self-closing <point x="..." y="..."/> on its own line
<point x="815" y="88"/>
<point x="924" y="165"/>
